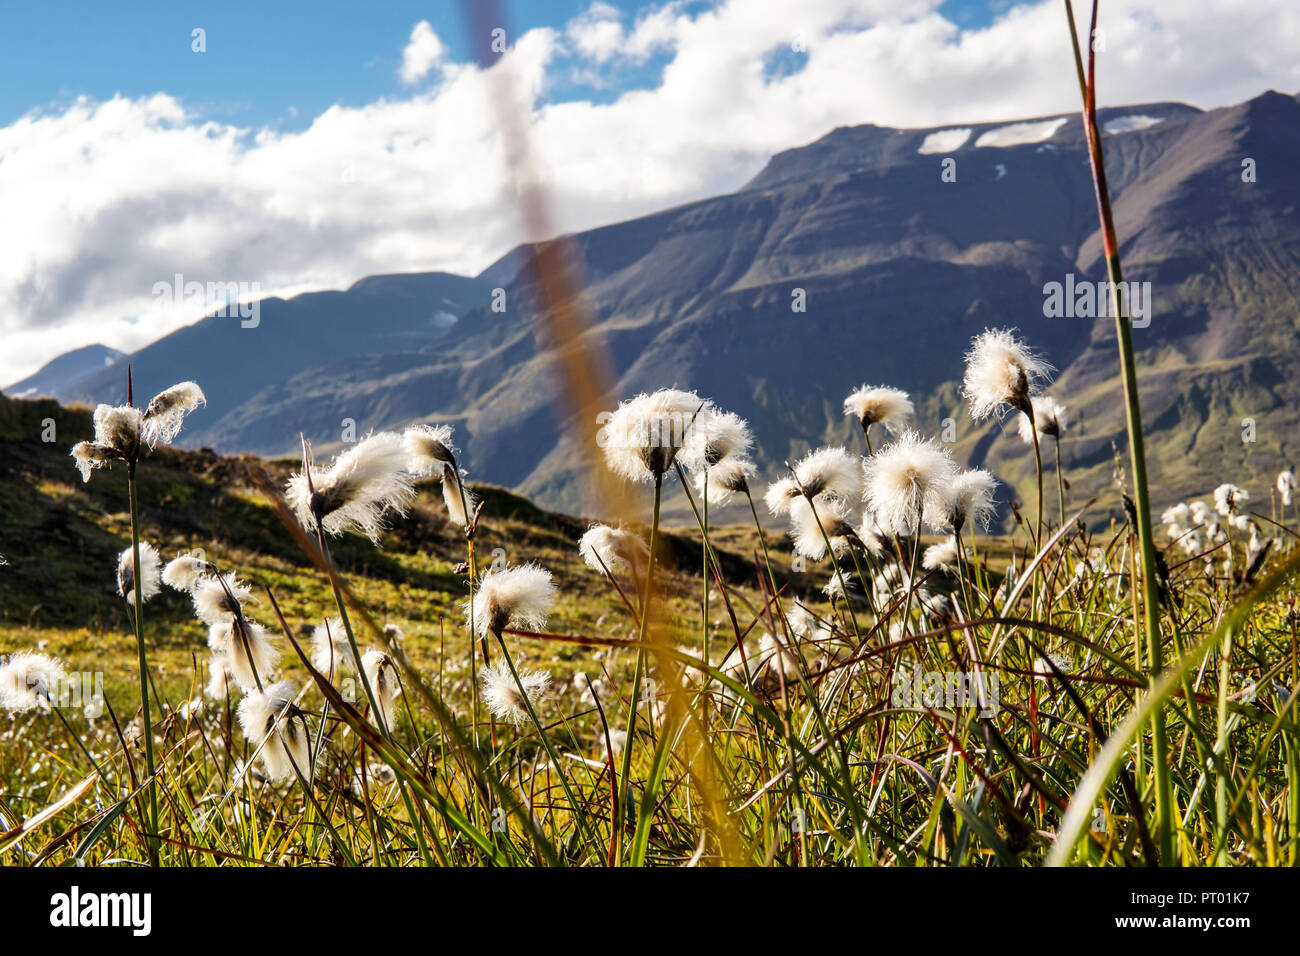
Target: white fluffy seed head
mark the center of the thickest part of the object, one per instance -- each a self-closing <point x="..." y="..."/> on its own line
<point x="432" y="455"/>
<point x="1049" y="419"/>
<point x="518" y="597"/>
<point x="87" y="456"/>
<point x="163" y="417"/>
<point x="907" y="482"/>
<point x="1001" y="370"/>
<point x="721" y="483"/>
<point x="212" y="603"/>
<point x="830" y="472"/>
<point x="381" y="674"/>
<point x="642" y="437"/>
<point x="1177" y="516"/>
<point x="456" y="495"/>
<point x="1228" y="499"/>
<point x="968" y="500"/>
<point x="613" y="549"/>
<point x="331" y="652"/>
<point x="1286" y="486"/>
<point x="809" y="520"/>
<point x="118" y="427"/>
<point x="150" y="579"/>
<point x="358" y="488"/>
<point x="271" y="716"/>
<point x="941" y="556"/>
<point x="780" y="494"/>
<point x="715" y="437"/>
<point x="29" y="679"/>
<point x="880" y="405"/>
<point x="219" y="678"/>
<point x="502" y="694"/>
<point x="184" y="572"/>
<point x="237" y="642"/>
<point x="429" y="447"/>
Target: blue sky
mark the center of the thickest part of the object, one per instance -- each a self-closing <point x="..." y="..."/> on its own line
<point x="273" y="63"/>
<point x="313" y="144"/>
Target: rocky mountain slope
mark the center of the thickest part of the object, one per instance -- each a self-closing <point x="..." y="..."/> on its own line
<point x="849" y="260"/>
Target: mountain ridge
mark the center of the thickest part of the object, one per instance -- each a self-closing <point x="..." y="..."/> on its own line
<point x="898" y="269"/>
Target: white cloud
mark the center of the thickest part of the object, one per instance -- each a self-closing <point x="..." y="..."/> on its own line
<point x="112" y="197"/>
<point x="422" y="53"/>
<point x="597" y="33"/>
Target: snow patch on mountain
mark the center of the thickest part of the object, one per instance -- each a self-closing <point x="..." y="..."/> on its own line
<point x="945" y="141"/>
<point x="1018" y="134"/>
<point x="1131" y="124"/>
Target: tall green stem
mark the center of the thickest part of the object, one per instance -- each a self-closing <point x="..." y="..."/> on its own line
<point x="151" y="842"/>
<point x="1137" y="452"/>
<point x="640" y="650"/>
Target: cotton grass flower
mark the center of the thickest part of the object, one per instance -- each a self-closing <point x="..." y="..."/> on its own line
<point x="907" y="481"/>
<point x="185" y="572"/>
<point x="613" y="549"/>
<point x="714" y="437"/>
<point x="429" y="448"/>
<point x="1049" y="419"/>
<point x="164" y="415"/>
<point x="502" y="694"/>
<point x="780" y="494"/>
<point x="432" y="455"/>
<point x="358" y="488"/>
<point x="1200" y="512"/>
<point x="118" y="427"/>
<point x="272" y="716"/>
<point x="219" y="678"/>
<point x="809" y="521"/>
<point x="29" y="679"/>
<point x="219" y="599"/>
<point x="518" y="597"/>
<point x="1001" y="370"/>
<point x="1286" y="486"/>
<point x="381" y="675"/>
<point x="88" y="456"/>
<point x="642" y="437"/>
<point x="245" y="646"/>
<point x="331" y="651"/>
<point x="460" y="501"/>
<point x="943" y="556"/>
<point x="968" y="499"/>
<point x="721" y="483"/>
<point x="150" y="580"/>
<point x="716" y="450"/>
<point x="1228" y="498"/>
<point x="880" y="405"/>
<point x="830" y="472"/>
<point x="117" y="438"/>
<point x="1177" y="517"/>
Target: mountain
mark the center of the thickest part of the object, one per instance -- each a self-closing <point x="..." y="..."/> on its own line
<point x="61" y="377"/>
<point x="895" y="269"/>
<point x="244" y="370"/>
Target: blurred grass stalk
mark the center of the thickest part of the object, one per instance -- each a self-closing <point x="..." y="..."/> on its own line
<point x="1137" y="453"/>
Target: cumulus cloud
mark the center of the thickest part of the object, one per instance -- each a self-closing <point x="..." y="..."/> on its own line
<point x="598" y="32"/>
<point x="114" y="197"/>
<point x="423" y="52"/>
